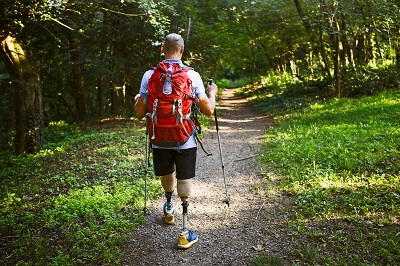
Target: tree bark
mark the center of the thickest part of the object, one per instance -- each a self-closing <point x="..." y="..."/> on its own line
<point x="29" y="110"/>
<point x="99" y="97"/>
<point x="77" y="79"/>
<point x="345" y="42"/>
<point x="313" y="38"/>
<point x="359" y="51"/>
<point x="397" y="47"/>
<point x="253" y="44"/>
<point x="323" y="53"/>
<point x="376" y="39"/>
<point x="337" y="65"/>
<point x="334" y="34"/>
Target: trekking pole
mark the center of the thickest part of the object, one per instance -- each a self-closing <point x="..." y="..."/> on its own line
<point x="227" y="201"/>
<point x="147" y="169"/>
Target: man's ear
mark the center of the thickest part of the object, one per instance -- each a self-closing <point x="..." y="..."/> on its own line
<point x="182" y="49"/>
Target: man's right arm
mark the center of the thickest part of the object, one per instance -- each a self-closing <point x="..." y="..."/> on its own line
<point x="140" y="107"/>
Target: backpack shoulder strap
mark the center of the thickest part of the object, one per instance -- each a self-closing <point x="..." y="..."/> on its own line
<point x="161" y="66"/>
<point x="183" y="69"/>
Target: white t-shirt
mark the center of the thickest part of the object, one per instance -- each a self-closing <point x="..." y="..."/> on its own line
<point x="197" y="88"/>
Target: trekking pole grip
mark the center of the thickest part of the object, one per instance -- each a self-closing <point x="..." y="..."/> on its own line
<point x="210" y="81"/>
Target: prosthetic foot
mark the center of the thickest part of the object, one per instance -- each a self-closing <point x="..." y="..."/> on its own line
<point x="169" y="217"/>
<point x="187" y="237"/>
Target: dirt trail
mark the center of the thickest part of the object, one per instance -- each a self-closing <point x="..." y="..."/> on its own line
<point x="226" y="235"/>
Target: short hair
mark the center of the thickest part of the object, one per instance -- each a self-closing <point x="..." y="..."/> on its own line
<point x="173" y="42"/>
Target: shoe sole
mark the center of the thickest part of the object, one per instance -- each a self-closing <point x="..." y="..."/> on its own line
<point x="188" y="245"/>
<point x="169" y="219"/>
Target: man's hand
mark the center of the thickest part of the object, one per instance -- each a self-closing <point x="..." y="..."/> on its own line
<point x="212" y="89"/>
<point x="207" y="104"/>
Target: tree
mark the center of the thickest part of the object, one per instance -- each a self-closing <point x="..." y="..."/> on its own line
<point x="26" y="81"/>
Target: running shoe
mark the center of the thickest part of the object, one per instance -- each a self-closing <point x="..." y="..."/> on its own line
<point x="187" y="240"/>
<point x="169" y="209"/>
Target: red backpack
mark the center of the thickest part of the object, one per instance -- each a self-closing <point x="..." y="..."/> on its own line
<point x="169" y="122"/>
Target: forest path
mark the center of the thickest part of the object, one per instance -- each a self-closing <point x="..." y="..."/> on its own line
<point x="227" y="236"/>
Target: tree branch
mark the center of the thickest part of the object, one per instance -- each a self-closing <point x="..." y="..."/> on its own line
<point x="62" y="24"/>
<point x="121" y="13"/>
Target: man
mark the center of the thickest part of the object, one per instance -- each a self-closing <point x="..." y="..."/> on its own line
<point x="183" y="158"/>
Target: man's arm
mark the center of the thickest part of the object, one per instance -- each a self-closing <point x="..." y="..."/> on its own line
<point x="207" y="104"/>
<point x="140" y="108"/>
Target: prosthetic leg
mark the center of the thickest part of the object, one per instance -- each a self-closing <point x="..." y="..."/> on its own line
<point x="168" y="184"/>
<point x="187" y="237"/>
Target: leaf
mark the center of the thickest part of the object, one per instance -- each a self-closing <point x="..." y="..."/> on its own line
<point x="259" y="247"/>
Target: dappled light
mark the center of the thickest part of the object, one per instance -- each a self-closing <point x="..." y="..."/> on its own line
<point x="301" y="160"/>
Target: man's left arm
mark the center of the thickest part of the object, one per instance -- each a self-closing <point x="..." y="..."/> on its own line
<point x="205" y="103"/>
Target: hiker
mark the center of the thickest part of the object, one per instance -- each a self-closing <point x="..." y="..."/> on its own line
<point x="171" y="153"/>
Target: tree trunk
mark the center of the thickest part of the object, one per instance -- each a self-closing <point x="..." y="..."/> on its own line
<point x="334" y="34"/>
<point x="323" y="53"/>
<point x="253" y="44"/>
<point x="337" y="65"/>
<point x="77" y="79"/>
<point x="359" y="50"/>
<point x="112" y="97"/>
<point x="269" y="59"/>
<point x="397" y="46"/>
<point x="99" y="97"/>
<point x="345" y="42"/>
<point x="376" y="39"/>
<point x="313" y="38"/>
<point x="29" y="110"/>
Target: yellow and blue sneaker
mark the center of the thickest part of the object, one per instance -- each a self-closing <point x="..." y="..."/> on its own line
<point x="187" y="239"/>
<point x="169" y="210"/>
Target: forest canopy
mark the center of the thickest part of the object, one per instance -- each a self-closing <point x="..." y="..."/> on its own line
<point x="81" y="60"/>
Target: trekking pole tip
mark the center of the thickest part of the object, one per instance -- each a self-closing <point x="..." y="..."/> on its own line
<point x="145" y="211"/>
<point x="227" y="201"/>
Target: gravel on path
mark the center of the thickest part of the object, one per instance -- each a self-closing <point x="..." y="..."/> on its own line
<point x="227" y="236"/>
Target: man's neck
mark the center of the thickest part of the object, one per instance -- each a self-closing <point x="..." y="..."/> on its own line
<point x="173" y="57"/>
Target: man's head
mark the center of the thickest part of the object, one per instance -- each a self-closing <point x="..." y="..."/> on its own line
<point x="173" y="46"/>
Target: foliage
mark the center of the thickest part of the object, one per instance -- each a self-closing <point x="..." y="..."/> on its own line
<point x="282" y="94"/>
<point x="370" y="80"/>
<point x="77" y="200"/>
<point x="107" y="45"/>
<point x="270" y="260"/>
<point x="340" y="158"/>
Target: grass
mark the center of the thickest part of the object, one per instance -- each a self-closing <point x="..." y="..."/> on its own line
<point x="282" y="94"/>
<point x="340" y="159"/>
<point x="267" y="259"/>
<point x="77" y="200"/>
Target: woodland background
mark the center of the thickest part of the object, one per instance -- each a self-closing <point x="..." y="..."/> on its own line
<point x="72" y="153"/>
<point x="81" y="60"/>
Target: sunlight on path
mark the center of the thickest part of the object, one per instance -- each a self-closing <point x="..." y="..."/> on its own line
<point x="226" y="235"/>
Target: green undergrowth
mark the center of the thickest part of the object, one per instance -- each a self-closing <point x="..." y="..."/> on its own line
<point x="281" y="94"/>
<point x="77" y="200"/>
<point x="341" y="161"/>
<point x="227" y="83"/>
